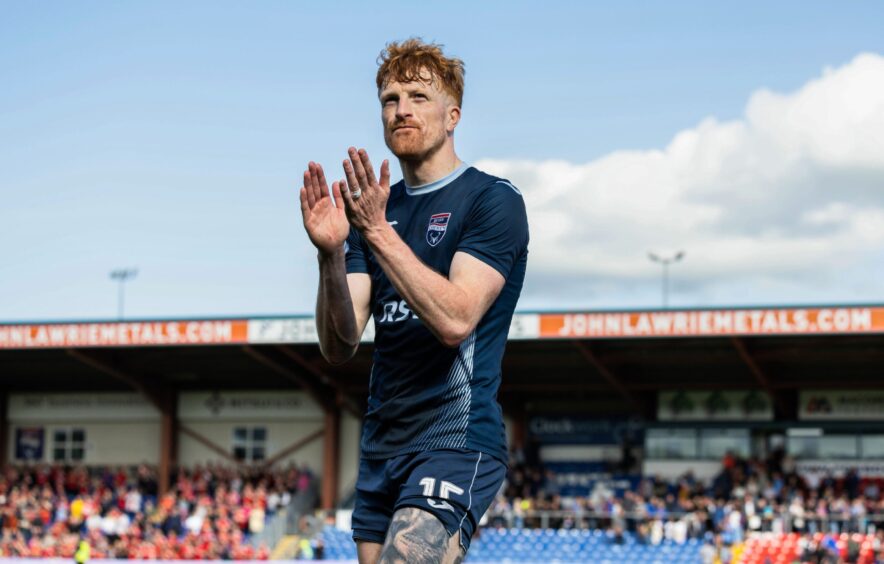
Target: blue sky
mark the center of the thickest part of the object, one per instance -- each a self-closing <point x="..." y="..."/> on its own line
<point x="171" y="135"/>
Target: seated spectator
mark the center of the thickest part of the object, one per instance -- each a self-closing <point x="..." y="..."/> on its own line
<point x="209" y="513"/>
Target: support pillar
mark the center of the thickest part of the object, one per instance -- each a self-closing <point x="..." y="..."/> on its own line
<point x="168" y="440"/>
<point x="330" y="448"/>
<point x="4" y="428"/>
<point x="520" y="427"/>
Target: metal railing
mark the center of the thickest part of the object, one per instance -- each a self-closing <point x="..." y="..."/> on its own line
<point x="778" y="522"/>
<point x="274" y="529"/>
<point x="287" y="520"/>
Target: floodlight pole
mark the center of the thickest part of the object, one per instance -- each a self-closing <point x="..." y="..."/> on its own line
<point x="122" y="275"/>
<point x="666" y="261"/>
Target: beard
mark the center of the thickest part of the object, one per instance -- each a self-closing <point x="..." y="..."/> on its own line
<point x="413" y="145"/>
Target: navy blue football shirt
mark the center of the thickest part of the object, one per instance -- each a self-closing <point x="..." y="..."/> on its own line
<point x="422" y="394"/>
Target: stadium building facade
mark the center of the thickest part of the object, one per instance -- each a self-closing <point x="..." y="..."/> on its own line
<point x="595" y="395"/>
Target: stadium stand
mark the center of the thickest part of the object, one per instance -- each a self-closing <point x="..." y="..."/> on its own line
<point x="211" y="513"/>
<point x="820" y="547"/>
<point x="621" y="423"/>
<point x="546" y="545"/>
<point x="752" y="511"/>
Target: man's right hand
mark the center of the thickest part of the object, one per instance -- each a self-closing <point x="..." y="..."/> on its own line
<point x="325" y="220"/>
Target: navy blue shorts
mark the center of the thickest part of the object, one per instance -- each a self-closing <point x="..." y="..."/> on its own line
<point x="456" y="486"/>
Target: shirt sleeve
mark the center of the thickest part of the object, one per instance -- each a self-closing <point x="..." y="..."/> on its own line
<point x="354" y="253"/>
<point x="497" y="228"/>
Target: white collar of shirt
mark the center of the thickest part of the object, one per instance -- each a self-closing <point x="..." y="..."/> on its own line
<point x="437" y="184"/>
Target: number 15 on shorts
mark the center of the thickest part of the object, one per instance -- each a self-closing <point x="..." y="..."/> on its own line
<point x="445" y="491"/>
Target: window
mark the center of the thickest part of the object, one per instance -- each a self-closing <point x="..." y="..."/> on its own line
<point x="824" y="447"/>
<point x="872" y="446"/>
<point x="250" y="443"/>
<point x="839" y="446"/>
<point x="671" y="443"/>
<point x="68" y="445"/>
<point x="715" y="443"/>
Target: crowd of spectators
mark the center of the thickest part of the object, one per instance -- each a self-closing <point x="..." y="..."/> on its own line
<point x="747" y="495"/>
<point x="210" y="512"/>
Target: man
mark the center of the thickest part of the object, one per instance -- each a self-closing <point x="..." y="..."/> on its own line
<point x="438" y="260"/>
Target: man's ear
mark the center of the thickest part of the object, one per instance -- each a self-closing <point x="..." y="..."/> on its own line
<point x="452" y="118"/>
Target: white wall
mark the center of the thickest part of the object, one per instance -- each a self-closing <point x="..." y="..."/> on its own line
<point x="118" y="442"/>
<point x="125" y="442"/>
<point x="123" y="428"/>
<point x="280" y="435"/>
<point x="287" y="415"/>
<point x="122" y="443"/>
<point x="120" y="427"/>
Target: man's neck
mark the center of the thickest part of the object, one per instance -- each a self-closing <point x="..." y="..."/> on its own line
<point x="440" y="165"/>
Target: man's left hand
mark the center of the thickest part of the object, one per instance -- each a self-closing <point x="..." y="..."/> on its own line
<point x="365" y="197"/>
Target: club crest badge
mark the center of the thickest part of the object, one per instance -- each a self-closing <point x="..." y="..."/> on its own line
<point x="436" y="228"/>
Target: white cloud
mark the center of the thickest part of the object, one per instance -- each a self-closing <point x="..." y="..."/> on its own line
<point x="786" y="197"/>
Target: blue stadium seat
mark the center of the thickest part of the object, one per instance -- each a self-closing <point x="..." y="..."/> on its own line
<point x="549" y="546"/>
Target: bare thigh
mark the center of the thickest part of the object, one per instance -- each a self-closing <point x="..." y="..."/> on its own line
<point x="417" y="537"/>
<point x="368" y="552"/>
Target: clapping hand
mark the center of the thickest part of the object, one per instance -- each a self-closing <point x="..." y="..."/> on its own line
<point x="324" y="219"/>
<point x="365" y="197"/>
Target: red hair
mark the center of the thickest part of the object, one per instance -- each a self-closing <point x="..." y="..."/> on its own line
<point x="411" y="59"/>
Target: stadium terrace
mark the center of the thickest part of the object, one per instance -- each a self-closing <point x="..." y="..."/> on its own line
<point x="607" y="414"/>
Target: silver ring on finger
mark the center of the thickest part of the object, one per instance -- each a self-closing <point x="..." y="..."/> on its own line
<point x="355" y="194"/>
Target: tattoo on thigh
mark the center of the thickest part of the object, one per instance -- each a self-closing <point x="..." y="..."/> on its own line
<point x="417" y="537"/>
